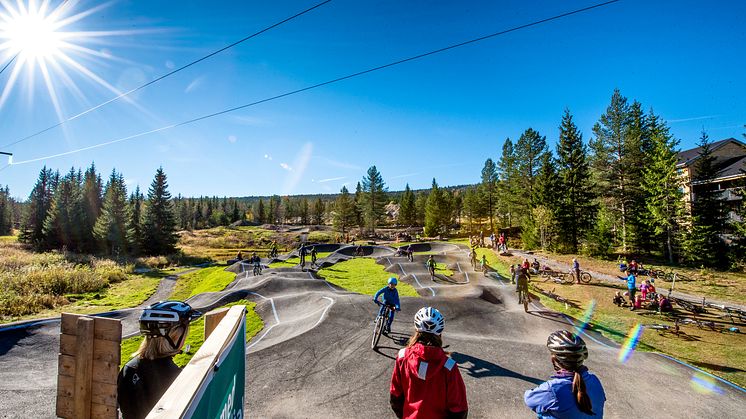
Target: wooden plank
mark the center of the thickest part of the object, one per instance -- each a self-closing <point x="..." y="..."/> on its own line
<point x="104" y="394"/>
<point x="65" y="407"/>
<point x="68" y="344"/>
<point x="65" y="386"/>
<point x="177" y="399"/>
<point x="103" y="372"/>
<point x="104" y="329"/>
<point x="107" y="351"/>
<point x="84" y="368"/>
<point x="100" y="411"/>
<point x="213" y="318"/>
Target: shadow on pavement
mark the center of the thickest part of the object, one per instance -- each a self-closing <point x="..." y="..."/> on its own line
<point x="12" y="337"/>
<point x="479" y="368"/>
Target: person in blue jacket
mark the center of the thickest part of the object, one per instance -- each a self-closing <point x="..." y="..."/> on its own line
<point x="631" y="287"/>
<point x="572" y="392"/>
<point x="391" y="298"/>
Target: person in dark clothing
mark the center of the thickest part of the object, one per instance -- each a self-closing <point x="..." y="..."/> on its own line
<point x="302" y="254"/>
<point x="313" y="256"/>
<point x="144" y="379"/>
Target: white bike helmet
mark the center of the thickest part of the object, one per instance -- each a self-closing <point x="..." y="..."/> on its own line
<point x="429" y="320"/>
<point x="159" y="319"/>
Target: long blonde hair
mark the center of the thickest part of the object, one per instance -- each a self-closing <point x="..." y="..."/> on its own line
<point x="427" y="339"/>
<point x="156" y="347"/>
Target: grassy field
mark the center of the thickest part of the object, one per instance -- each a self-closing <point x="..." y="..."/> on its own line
<point x="196" y="337"/>
<point x="290" y="263"/>
<point x="726" y="286"/>
<point x="720" y="353"/>
<point x="222" y="243"/>
<point x="211" y="279"/>
<point x="364" y="276"/>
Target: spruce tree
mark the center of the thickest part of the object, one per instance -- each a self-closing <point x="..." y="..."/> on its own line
<point x="407" y="209"/>
<point x="508" y="185"/>
<point x="136" y="233"/>
<point x="344" y="216"/>
<point x="661" y="184"/>
<point x="159" y="225"/>
<point x="420" y="205"/>
<point x="704" y="245"/>
<point x="92" y="201"/>
<point x="434" y="211"/>
<point x="489" y="186"/>
<point x="111" y="228"/>
<point x="63" y="221"/>
<point x="235" y="213"/>
<point x="373" y="199"/>
<point x="575" y="210"/>
<point x="260" y="215"/>
<point x="40" y="199"/>
<point x="529" y="153"/>
<point x="6" y="223"/>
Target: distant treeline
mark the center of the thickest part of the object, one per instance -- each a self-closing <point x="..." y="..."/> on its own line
<point x="618" y="192"/>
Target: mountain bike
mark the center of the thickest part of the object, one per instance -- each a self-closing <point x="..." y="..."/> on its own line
<point x="524" y="297"/>
<point x="431" y="269"/>
<point x="257" y="269"/>
<point x="585" y="277"/>
<point x="380" y="323"/>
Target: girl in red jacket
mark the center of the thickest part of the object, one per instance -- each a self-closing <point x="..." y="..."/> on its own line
<point x="426" y="382"/>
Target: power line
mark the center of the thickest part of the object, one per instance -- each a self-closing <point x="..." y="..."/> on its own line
<point x="349" y="76"/>
<point x="127" y="93"/>
<point x="9" y="62"/>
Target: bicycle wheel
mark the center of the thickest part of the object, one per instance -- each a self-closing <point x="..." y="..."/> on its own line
<point x="683" y="278"/>
<point x="377" y="329"/>
<point x="566" y="279"/>
<point x="525" y="299"/>
<point x="657" y="273"/>
<point x="585" y="277"/>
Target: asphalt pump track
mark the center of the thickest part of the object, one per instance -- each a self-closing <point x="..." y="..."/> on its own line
<point x="313" y="357"/>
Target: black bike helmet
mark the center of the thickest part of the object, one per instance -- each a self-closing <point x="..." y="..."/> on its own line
<point x="568" y="349"/>
<point x="159" y="319"/>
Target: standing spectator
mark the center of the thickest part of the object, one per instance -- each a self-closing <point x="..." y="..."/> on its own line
<point x="426" y="382"/>
<point x="576" y="269"/>
<point x="302" y="254"/>
<point x="573" y="391"/>
<point x="631" y="287"/>
<point x="145" y="377"/>
<point x="633" y="266"/>
<point x="313" y="256"/>
<point x="644" y="289"/>
<point x="492" y="240"/>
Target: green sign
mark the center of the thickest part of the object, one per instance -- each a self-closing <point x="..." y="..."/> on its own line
<point x="222" y="394"/>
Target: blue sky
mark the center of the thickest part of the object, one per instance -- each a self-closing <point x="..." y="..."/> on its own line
<point x="440" y="116"/>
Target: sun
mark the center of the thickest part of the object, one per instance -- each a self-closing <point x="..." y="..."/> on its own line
<point x="32" y="35"/>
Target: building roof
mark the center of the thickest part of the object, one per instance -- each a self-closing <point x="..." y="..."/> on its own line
<point x="733" y="167"/>
<point x="687" y="157"/>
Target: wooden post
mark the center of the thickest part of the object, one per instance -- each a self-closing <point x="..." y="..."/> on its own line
<point x="88" y="366"/>
<point x="83" y="368"/>
<point x="213" y="318"/>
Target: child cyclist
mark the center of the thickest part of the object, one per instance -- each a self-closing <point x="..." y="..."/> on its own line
<point x="426" y="382"/>
<point x="390" y="298"/>
<point x="573" y="392"/>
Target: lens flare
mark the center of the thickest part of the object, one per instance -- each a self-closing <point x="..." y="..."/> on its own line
<point x="633" y="337"/>
<point x="586" y="319"/>
<point x="705" y="384"/>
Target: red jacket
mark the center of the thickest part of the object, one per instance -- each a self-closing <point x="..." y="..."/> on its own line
<point x="427" y="384"/>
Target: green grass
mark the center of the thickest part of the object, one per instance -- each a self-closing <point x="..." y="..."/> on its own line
<point x="290" y="263"/>
<point x="129" y="293"/>
<point x="364" y="276"/>
<point x="196" y="337"/>
<point x="211" y="279"/>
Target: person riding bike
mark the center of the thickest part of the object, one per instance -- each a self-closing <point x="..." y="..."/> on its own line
<point x="410" y="253"/>
<point x="256" y="262"/>
<point x="390" y="298"/>
<point x="144" y="378"/>
<point x="431" y="265"/>
<point x="522" y="278"/>
<point x="483" y="263"/>
<point x="426" y="382"/>
<point x="572" y="392"/>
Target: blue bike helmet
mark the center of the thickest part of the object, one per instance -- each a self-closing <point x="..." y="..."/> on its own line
<point x="393" y="280"/>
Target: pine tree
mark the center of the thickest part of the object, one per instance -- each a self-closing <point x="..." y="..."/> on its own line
<point x="62" y="224"/>
<point x="235" y="213"/>
<point x="489" y="186"/>
<point x="344" y="211"/>
<point x="703" y="244"/>
<point x="420" y="204"/>
<point x="318" y="212"/>
<point x="661" y="184"/>
<point x="259" y="214"/>
<point x="545" y="201"/>
<point x="616" y="165"/>
<point x="434" y="211"/>
<point x="304" y="211"/>
<point x="111" y="226"/>
<point x="159" y="225"/>
<point x="136" y="234"/>
<point x="472" y="205"/>
<point x="508" y="185"/>
<point x="374" y="199"/>
<point x="575" y="210"/>
<point x="529" y="153"/>
<point x="407" y="209"/>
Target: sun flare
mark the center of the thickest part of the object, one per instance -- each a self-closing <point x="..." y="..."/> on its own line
<point x="32" y="34"/>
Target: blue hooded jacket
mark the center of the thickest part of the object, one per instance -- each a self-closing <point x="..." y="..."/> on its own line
<point x="554" y="398"/>
<point x="631" y="281"/>
<point x="390" y="296"/>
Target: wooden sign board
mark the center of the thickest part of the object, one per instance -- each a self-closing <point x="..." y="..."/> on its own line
<point x="88" y="365"/>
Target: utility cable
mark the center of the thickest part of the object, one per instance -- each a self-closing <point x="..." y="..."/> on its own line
<point x="9" y="62"/>
<point x="359" y="73"/>
<point x="129" y="92"/>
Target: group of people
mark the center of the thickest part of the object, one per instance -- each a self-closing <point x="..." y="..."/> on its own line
<point x="423" y="370"/>
<point x="303" y="252"/>
<point x="648" y="298"/>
